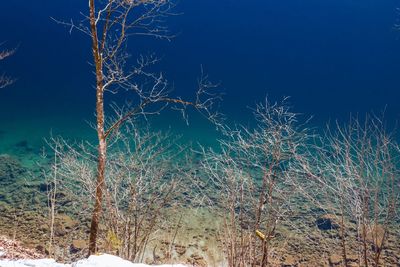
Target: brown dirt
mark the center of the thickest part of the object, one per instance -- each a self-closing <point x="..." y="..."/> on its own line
<point x="11" y="249"/>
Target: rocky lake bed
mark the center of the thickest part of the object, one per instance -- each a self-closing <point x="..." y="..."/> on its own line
<point x="305" y="240"/>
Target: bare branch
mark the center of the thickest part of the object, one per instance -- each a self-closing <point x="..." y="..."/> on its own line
<point x="4" y="79"/>
<point x="7" y="53"/>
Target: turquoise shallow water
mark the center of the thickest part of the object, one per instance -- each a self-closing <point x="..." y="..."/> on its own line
<point x="35" y="128"/>
<point x="22" y="136"/>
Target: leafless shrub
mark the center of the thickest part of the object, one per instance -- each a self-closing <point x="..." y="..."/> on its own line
<point x="354" y="177"/>
<point x="251" y="176"/>
<point x="142" y="186"/>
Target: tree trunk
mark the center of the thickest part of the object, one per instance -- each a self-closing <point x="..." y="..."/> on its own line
<point x="102" y="148"/>
<point x="98" y="198"/>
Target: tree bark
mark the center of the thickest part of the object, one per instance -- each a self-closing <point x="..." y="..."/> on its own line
<point x="102" y="147"/>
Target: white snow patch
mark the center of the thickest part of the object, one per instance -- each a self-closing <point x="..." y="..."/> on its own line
<point x="32" y="263"/>
<point x="103" y="260"/>
<point x="106" y="260"/>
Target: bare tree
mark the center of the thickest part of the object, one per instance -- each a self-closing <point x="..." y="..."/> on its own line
<point x="4" y="79"/>
<point x="252" y="174"/>
<point x="109" y="24"/>
<point x="142" y="189"/>
<point x="354" y="177"/>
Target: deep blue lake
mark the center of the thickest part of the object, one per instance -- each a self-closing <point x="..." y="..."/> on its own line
<point x="333" y="58"/>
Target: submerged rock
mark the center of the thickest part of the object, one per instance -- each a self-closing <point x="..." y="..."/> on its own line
<point x="10" y="169"/>
<point x="64" y="224"/>
<point x="335" y="259"/>
<point x="78" y="245"/>
<point x="327" y="222"/>
<point x="289" y="261"/>
<point x="24" y="146"/>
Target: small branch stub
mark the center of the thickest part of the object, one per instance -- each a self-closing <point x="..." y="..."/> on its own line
<point x="260" y="235"/>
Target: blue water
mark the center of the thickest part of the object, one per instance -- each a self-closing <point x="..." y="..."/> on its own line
<point x="333" y="58"/>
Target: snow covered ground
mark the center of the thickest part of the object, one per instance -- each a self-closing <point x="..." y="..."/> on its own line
<point x="103" y="260"/>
